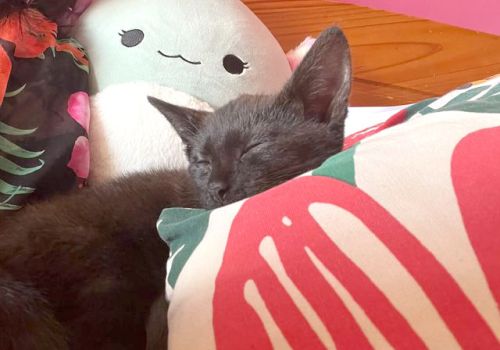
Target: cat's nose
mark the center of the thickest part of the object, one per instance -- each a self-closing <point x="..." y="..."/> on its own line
<point x="218" y="189"/>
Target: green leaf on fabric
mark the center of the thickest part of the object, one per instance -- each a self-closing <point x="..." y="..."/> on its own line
<point x="8" y="189"/>
<point x="9" y="130"/>
<point x="15" y="92"/>
<point x="73" y="42"/>
<point x="488" y="103"/>
<point x="491" y="92"/>
<point x="5" y="206"/>
<point x="182" y="229"/>
<point x="7" y="147"/>
<point x="340" y="166"/>
<point x="417" y="107"/>
<point x="82" y="66"/>
<point x="11" y="148"/>
<point x="14" y="169"/>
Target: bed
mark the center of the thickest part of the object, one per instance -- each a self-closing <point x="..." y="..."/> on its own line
<point x="392" y="243"/>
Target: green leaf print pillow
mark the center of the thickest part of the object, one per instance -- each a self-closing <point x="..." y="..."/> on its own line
<point x="393" y="243"/>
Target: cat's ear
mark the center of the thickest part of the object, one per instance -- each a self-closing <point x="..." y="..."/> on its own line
<point x="322" y="81"/>
<point x="185" y="121"/>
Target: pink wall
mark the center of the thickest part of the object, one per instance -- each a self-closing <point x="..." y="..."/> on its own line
<point x="480" y="15"/>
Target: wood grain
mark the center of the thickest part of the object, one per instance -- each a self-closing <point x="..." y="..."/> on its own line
<point x="396" y="59"/>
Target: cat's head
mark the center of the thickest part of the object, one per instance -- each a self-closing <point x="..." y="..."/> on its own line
<point x="256" y="142"/>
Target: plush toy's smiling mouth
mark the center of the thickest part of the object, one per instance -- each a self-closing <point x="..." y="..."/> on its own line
<point x="179" y="56"/>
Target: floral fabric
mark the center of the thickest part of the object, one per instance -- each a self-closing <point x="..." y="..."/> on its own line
<point x="44" y="110"/>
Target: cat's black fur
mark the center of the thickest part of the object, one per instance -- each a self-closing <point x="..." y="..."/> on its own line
<point x="82" y="271"/>
<point x="256" y="142"/>
<point x="92" y="261"/>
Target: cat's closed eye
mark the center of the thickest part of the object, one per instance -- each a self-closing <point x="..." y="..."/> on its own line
<point x="204" y="166"/>
<point x="249" y="149"/>
<point x="202" y="162"/>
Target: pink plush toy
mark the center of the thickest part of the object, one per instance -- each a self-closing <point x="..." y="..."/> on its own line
<point x="296" y="55"/>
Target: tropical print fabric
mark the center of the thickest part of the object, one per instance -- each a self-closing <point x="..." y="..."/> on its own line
<point x="393" y="243"/>
<point x="44" y="110"/>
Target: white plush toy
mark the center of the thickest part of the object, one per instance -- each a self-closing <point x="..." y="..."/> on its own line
<point x="127" y="134"/>
<point x="211" y="50"/>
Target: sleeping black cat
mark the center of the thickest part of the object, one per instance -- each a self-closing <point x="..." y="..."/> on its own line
<point x="82" y="271"/>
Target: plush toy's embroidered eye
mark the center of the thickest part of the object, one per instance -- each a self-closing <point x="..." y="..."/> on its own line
<point x="234" y="65"/>
<point x="131" y="38"/>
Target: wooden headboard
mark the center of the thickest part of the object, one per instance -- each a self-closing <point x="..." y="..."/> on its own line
<point x="396" y="59"/>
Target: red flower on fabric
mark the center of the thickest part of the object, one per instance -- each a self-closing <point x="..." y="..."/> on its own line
<point x="5" y="68"/>
<point x="79" y="109"/>
<point x="79" y="55"/>
<point x="268" y="271"/>
<point x="80" y="158"/>
<point x="30" y="31"/>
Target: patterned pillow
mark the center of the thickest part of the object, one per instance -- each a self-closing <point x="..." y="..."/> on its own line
<point x="44" y="110"/>
<point x="393" y="243"/>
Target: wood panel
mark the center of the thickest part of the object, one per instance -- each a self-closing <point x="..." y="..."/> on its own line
<point x="396" y="59"/>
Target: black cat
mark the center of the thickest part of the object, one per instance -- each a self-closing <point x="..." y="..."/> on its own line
<point x="82" y="271"/>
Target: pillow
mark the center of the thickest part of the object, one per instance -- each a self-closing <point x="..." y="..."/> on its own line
<point x="392" y="243"/>
<point x="44" y="110"/>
